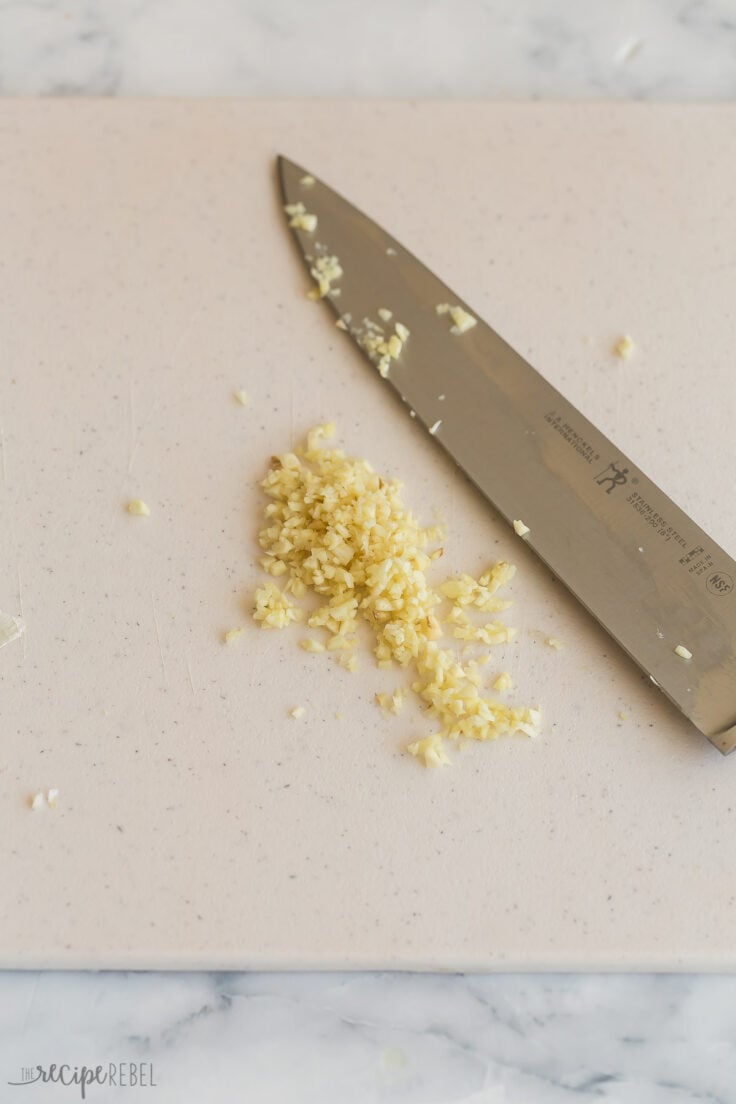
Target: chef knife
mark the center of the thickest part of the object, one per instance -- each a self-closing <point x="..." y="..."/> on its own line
<point x="656" y="582"/>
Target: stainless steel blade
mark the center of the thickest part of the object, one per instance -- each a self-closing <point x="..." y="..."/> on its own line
<point x="651" y="577"/>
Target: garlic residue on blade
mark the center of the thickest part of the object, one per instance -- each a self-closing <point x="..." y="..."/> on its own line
<point x="325" y="270"/>
<point x="300" y="218"/>
<point x="462" y="320"/>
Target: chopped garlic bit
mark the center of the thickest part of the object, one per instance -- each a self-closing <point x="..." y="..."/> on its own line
<point x="349" y="662"/>
<point x="394" y="346"/>
<point x="624" y="347"/>
<point x="553" y="642"/>
<point x="385" y="314"/>
<point x="622" y="716"/>
<point x="139" y="508"/>
<point x="341" y="324"/>
<point x="462" y="321"/>
<point x="299" y="218"/>
<point x="433" y="428"/>
<point x="275" y="567"/>
<point x="683" y="652"/>
<point x="10" y="628"/>
<point x="307" y="181"/>
<point x="242" y="397"/>
<point x="342" y="531"/>
<point x="41" y="800"/>
<point x="503" y="682"/>
<point x="392" y="703"/>
<point x="440" y="398"/>
<point x="430" y="750"/>
<point x="273" y="609"/>
<point x="391" y="252"/>
<point x="297" y="712"/>
<point x="521" y="529"/>
<point x="402" y="332"/>
<point x="312" y="645"/>
<point x="442" y="308"/>
<point x="232" y="634"/>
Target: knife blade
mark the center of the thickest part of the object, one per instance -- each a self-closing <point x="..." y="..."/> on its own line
<point x="655" y="581"/>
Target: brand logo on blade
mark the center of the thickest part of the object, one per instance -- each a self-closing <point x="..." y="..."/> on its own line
<point x="720" y="583"/>
<point x="613" y="477"/>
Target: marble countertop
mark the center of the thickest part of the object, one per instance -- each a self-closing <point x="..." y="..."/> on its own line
<point x="410" y="1039"/>
<point x="651" y="49"/>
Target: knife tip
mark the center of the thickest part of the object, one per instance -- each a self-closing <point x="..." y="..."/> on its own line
<point x="285" y="164"/>
<point x="289" y="174"/>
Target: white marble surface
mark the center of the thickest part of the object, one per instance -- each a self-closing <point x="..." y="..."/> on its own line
<point x="409" y="1039"/>
<point x="655" y="49"/>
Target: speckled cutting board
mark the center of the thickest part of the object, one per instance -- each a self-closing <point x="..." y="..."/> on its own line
<point x="146" y="275"/>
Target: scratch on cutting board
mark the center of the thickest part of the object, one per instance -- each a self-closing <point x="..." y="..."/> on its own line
<point x="191" y="680"/>
<point x="133" y="435"/>
<point x="617" y="417"/>
<point x="20" y="607"/>
<point x="158" y="639"/>
<point x="136" y="432"/>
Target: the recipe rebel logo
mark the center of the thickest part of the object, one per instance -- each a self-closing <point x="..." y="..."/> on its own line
<point x="115" y="1075"/>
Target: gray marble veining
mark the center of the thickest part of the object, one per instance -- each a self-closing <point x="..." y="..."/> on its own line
<point x="409" y="1039"/>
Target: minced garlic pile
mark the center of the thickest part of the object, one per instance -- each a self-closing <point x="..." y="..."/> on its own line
<point x="336" y="527"/>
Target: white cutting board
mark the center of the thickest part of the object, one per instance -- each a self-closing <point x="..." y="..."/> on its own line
<point x="145" y="275"/>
